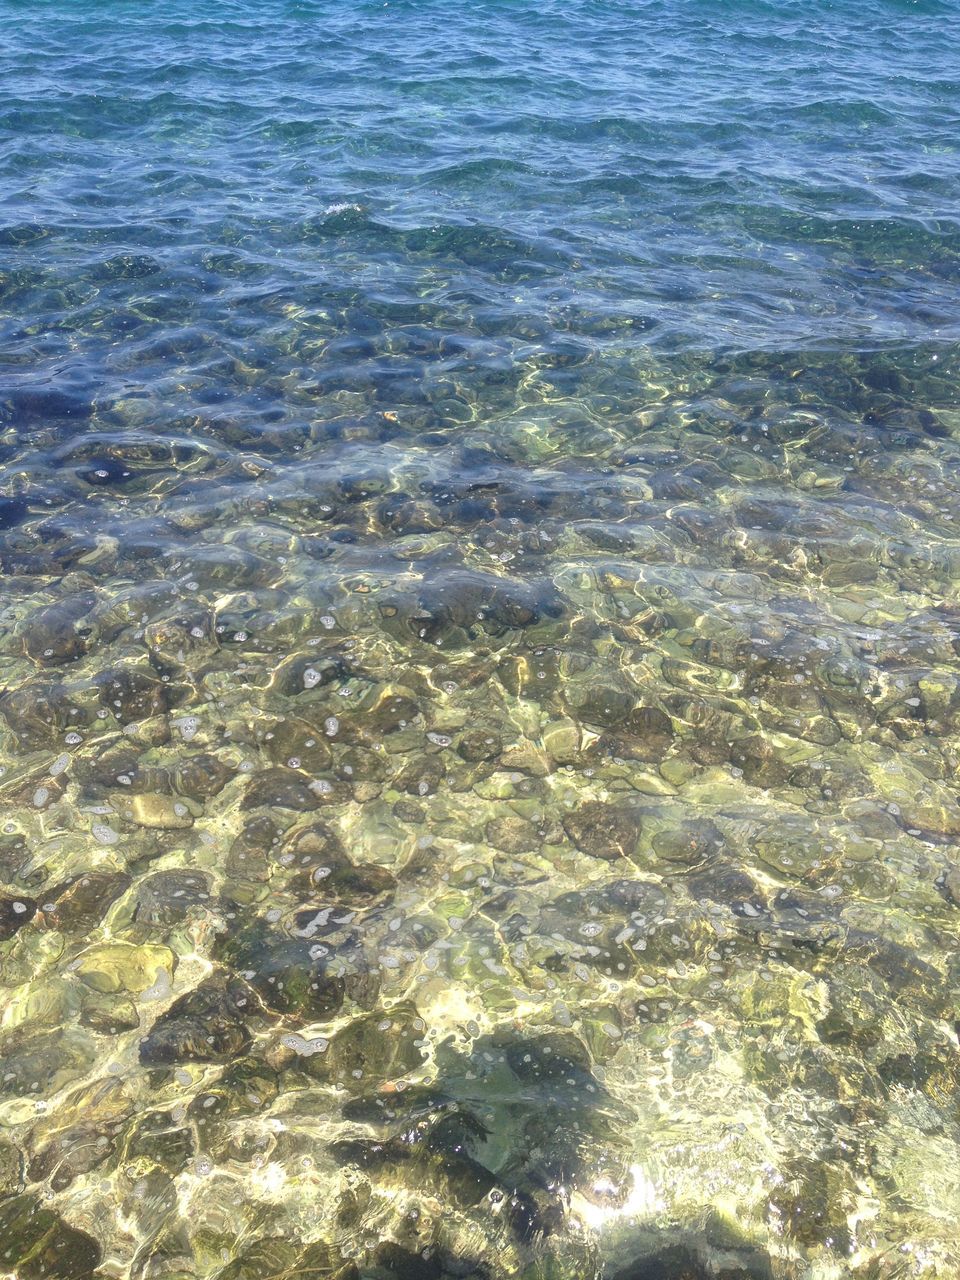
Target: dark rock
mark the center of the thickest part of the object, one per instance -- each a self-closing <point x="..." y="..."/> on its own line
<point x="758" y="761"/>
<point x="131" y="694"/>
<point x="409" y="811"/>
<point x="167" y="897"/>
<point x="320" y="1261"/>
<point x="358" y="766"/>
<point x="372" y="1156"/>
<point x="177" y="644"/>
<point x="405" y="1264"/>
<point x="229" y="568"/>
<point x="624" y="897"/>
<point x="202" y="776"/>
<point x="105" y="766"/>
<point x="421" y="777"/>
<point x="248" y="858"/>
<point x="281" y="788"/>
<point x="548" y="1059"/>
<point x="205" y="1025"/>
<point x="14" y="914"/>
<point x="811" y="1204"/>
<point x="245" y="1088"/>
<point x="37" y="789"/>
<point x="478" y="745"/>
<point x="80" y="905"/>
<point x="288" y="974"/>
<point x="160" y="1138"/>
<point x="390" y="713"/>
<point x="512" y="834"/>
<point x="372" y="1049"/>
<point x="272" y="1258"/>
<point x="454" y="605"/>
<point x="106" y="470"/>
<point x="39" y="1063"/>
<point x="38" y="714"/>
<point x="37" y="1244"/>
<point x="294" y="743"/>
<point x="166" y="1255"/>
<point x="531" y="675"/>
<point x="315" y="852"/>
<point x="72" y="1152"/>
<point x="603" y="830"/>
<point x="275" y="1258"/>
<point x="363" y="884"/>
<point x="107" y="1013"/>
<point x="303" y="672"/>
<point x="16" y="862"/>
<point x="604" y="706"/>
<point x="689" y="844"/>
<point x="11" y="1169"/>
<point x="951" y="886"/>
<point x="59" y="632"/>
<point x="12" y="511"/>
<point x="726" y="884"/>
<point x="911" y="977"/>
<point x="674" y="1262"/>
<point x="650" y="724"/>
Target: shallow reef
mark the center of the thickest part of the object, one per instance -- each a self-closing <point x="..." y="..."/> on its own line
<point x="557" y="877"/>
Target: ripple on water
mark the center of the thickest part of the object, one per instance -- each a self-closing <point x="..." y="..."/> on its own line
<point x="481" y="693"/>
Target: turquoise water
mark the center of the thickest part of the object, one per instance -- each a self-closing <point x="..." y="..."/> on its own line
<point x="480" y="640"/>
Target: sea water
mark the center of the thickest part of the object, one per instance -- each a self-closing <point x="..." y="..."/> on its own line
<point x="479" y="640"/>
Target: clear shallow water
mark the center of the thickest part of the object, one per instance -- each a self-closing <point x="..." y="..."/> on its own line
<point x="479" y="640"/>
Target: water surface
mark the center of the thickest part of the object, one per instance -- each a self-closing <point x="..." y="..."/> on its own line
<point x="480" y="640"/>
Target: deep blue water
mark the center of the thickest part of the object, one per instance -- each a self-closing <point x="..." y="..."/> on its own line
<point x="691" y="175"/>
<point x="479" y="639"/>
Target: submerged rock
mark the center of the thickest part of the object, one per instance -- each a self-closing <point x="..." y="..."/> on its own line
<point x="13" y="510"/>
<point x="38" y="714"/>
<point x="390" y="713"/>
<point x="291" y="976"/>
<point x="512" y="834"/>
<point x="302" y="673"/>
<point x="377" y="1046"/>
<point x="479" y="745"/>
<point x="177" y="644"/>
<point x="81" y="904"/>
<point x="207" y="1024"/>
<point x="157" y="1136"/>
<point x="59" y="633"/>
<point x="15" y="912"/>
<point x="811" y="1202"/>
<point x="689" y="844"/>
<point x="297" y="744"/>
<point x="267" y="1259"/>
<point x="202" y="776"/>
<point x="37" y="1244"/>
<point x="38" y="1063"/>
<point x="603" y="830"/>
<point x="682" y="1262"/>
<point x="249" y="856"/>
<point x="132" y="694"/>
<point x="121" y="966"/>
<point x="604" y="706"/>
<point x="160" y="812"/>
<point x="167" y="897"/>
<point x="365" y="883"/>
<point x="11" y="1169"/>
<point x="281" y="789"/>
